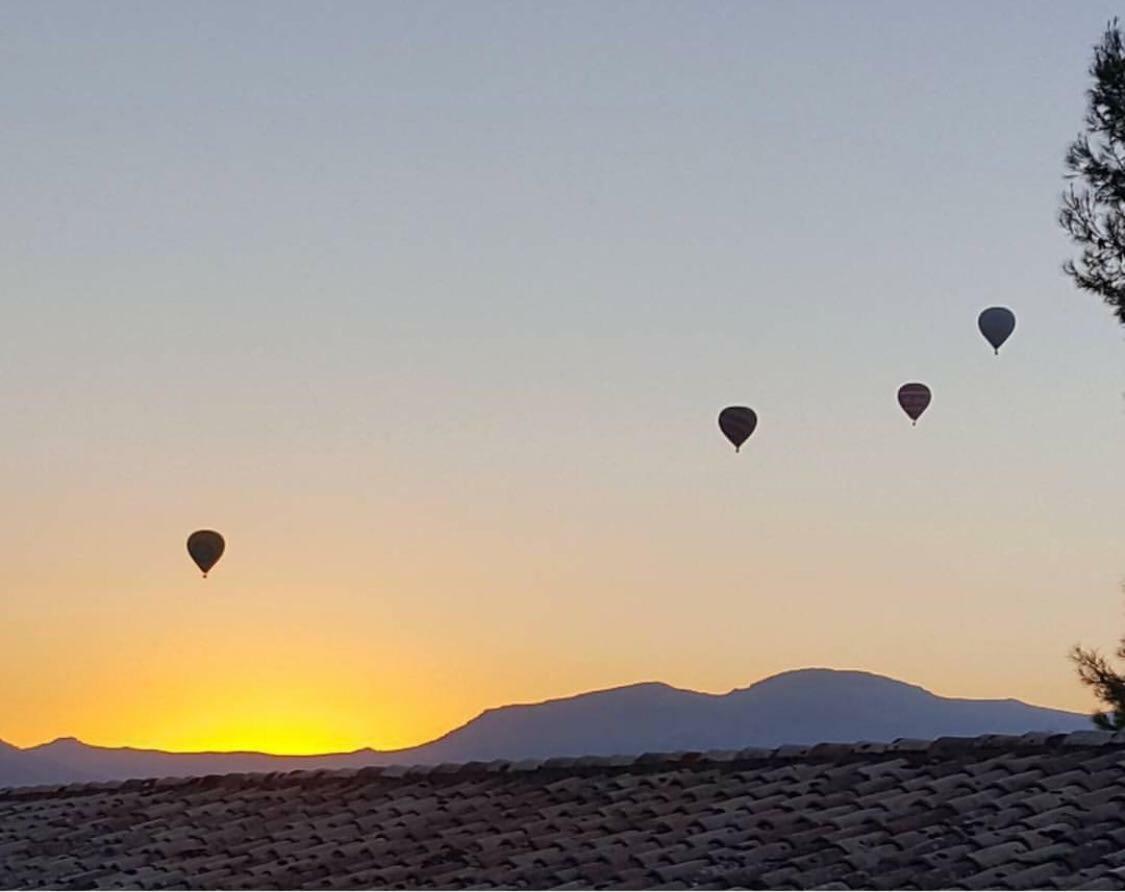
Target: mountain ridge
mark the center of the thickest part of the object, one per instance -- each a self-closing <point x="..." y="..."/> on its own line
<point x="800" y="706"/>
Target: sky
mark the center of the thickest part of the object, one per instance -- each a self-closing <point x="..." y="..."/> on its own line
<point x="430" y="307"/>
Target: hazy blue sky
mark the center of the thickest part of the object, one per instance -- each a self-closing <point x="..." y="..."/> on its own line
<point x="430" y="307"/>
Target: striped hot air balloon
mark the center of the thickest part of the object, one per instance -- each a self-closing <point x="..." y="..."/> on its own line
<point x="914" y="398"/>
<point x="737" y="423"/>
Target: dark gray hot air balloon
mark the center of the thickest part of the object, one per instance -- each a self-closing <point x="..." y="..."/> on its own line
<point x="737" y="423"/>
<point x="205" y="548"/>
<point x="996" y="324"/>
<point x="914" y="398"/>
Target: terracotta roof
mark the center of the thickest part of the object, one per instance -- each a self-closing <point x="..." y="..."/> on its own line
<point x="1038" y="811"/>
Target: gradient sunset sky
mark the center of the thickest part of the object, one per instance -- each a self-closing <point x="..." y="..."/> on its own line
<point x="430" y="308"/>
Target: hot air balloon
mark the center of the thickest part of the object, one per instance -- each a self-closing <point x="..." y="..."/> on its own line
<point x="737" y="423"/>
<point x="205" y="548"/>
<point x="914" y="398"/>
<point x="996" y="324"/>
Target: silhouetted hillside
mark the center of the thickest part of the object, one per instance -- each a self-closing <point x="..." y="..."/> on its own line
<point x="20" y="767"/>
<point x="803" y="706"/>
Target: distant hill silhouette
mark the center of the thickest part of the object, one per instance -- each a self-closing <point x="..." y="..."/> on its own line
<point x="803" y="706"/>
<point x="28" y="767"/>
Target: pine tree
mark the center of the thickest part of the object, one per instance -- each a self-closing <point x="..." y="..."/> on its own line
<point x="1109" y="686"/>
<point x="1093" y="208"/>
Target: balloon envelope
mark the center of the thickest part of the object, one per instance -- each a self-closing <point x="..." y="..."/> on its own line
<point x="205" y="548"/>
<point x="737" y="423"/>
<point x="996" y="324"/>
<point x="914" y="398"/>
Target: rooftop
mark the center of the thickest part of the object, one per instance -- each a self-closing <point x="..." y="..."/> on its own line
<point x="1036" y="811"/>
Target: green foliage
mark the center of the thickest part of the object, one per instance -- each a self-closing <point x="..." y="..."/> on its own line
<point x="1093" y="208"/>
